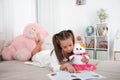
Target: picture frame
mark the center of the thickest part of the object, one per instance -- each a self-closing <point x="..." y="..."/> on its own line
<point x="80" y="2"/>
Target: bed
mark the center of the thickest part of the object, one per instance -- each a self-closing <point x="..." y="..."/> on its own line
<point x="16" y="70"/>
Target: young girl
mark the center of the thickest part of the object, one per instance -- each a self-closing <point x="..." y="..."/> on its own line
<point x="63" y="43"/>
<point x="58" y="59"/>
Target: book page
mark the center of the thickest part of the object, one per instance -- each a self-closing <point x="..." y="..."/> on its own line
<point x="83" y="75"/>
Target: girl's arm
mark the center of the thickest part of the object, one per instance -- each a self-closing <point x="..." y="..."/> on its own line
<point x="67" y="66"/>
<point x="37" y="48"/>
<point x="85" y="59"/>
<point x="55" y="65"/>
<point x="38" y="45"/>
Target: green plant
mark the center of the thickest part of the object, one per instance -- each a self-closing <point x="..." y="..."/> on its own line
<point x="102" y="15"/>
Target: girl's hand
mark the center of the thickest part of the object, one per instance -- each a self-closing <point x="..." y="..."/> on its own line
<point x="38" y="45"/>
<point x="37" y="38"/>
<point x="37" y="48"/>
<point x="84" y="60"/>
<point x="67" y="66"/>
<point x="38" y="42"/>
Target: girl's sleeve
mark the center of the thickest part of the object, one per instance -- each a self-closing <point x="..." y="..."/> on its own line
<point x="54" y="63"/>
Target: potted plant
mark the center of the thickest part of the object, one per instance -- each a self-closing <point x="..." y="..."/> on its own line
<point x="102" y="15"/>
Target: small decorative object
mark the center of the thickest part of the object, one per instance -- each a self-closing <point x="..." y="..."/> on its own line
<point x="103" y="44"/>
<point x="80" y="2"/>
<point x="89" y="30"/>
<point x="102" y="15"/>
<point x="105" y="30"/>
<point x="79" y="38"/>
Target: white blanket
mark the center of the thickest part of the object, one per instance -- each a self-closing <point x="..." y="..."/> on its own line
<point x="40" y="59"/>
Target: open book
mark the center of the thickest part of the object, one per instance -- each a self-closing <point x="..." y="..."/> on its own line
<point x="83" y="75"/>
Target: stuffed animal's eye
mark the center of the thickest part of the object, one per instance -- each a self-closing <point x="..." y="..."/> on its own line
<point x="77" y="49"/>
<point x="80" y="48"/>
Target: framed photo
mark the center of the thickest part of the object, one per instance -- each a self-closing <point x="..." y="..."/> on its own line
<point x="80" y="2"/>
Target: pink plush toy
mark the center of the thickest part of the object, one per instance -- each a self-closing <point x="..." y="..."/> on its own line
<point x="20" y="48"/>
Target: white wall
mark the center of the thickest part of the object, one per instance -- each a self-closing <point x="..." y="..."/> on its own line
<point x="6" y="19"/>
<point x="24" y="13"/>
<point x="14" y="16"/>
<point x="79" y="17"/>
<point x="65" y="14"/>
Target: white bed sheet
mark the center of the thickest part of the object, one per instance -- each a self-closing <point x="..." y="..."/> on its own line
<point x="109" y="69"/>
<point x="16" y="70"/>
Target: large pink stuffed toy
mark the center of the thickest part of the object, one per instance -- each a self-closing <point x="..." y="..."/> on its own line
<point x="20" y="48"/>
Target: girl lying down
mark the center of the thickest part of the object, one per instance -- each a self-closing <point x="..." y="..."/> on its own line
<point x="58" y="58"/>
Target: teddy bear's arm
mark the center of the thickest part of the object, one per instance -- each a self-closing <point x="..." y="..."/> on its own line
<point x="71" y="58"/>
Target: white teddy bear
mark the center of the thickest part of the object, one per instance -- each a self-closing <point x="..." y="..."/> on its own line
<point x="78" y="56"/>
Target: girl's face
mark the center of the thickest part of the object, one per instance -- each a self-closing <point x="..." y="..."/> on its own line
<point x="67" y="45"/>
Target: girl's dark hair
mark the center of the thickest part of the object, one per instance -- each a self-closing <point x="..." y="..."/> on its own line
<point x="63" y="35"/>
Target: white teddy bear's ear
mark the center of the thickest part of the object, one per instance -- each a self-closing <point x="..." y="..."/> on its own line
<point x="79" y="48"/>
